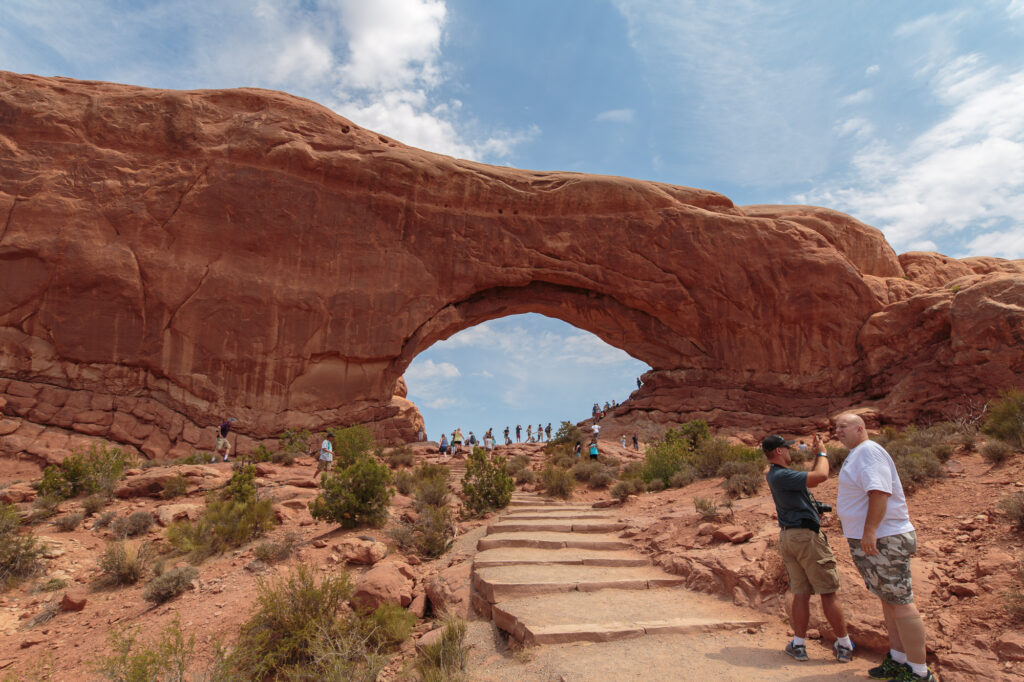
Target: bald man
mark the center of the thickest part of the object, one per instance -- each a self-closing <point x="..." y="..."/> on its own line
<point x="873" y="510"/>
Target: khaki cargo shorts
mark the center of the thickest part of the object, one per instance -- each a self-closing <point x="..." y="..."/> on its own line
<point x="809" y="561"/>
<point x="323" y="464"/>
<point x="887" y="574"/>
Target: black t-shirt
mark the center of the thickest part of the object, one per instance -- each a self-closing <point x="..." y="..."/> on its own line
<point x="792" y="499"/>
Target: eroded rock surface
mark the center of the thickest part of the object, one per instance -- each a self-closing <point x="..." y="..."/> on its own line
<point x="170" y="258"/>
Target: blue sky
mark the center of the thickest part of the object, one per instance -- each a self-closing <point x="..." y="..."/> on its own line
<point x="906" y="115"/>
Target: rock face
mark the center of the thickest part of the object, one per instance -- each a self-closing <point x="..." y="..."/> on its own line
<point x="170" y="258"/>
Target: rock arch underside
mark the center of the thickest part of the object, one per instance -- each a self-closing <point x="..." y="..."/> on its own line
<point x="168" y="258"/>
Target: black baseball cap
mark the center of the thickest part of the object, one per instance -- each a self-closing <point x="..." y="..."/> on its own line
<point x="773" y="441"/>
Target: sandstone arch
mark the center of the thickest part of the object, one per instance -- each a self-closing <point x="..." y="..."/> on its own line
<point x="170" y="257"/>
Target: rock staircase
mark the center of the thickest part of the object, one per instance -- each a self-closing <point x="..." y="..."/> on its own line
<point x="549" y="573"/>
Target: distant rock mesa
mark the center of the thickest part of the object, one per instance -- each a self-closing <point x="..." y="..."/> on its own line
<point x="170" y="258"/>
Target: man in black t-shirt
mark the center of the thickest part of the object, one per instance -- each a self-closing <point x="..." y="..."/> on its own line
<point x="810" y="563"/>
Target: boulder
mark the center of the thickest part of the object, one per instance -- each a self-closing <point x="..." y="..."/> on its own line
<point x="169" y="513"/>
<point x="383" y="584"/>
<point x="360" y="551"/>
<point x="448" y="590"/>
<point x="74" y="600"/>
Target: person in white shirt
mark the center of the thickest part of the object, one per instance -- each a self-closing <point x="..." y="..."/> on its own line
<point x="326" y="455"/>
<point x="876" y="522"/>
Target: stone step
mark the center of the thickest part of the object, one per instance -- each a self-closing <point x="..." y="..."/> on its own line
<point x="514" y="508"/>
<point x="545" y="540"/>
<point x="506" y="556"/>
<point x="540" y="502"/>
<point x="501" y="583"/>
<point x="558" y="514"/>
<point x="606" y="615"/>
<point x="555" y="526"/>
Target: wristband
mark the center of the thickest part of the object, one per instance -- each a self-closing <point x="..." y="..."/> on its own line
<point x="822" y="454"/>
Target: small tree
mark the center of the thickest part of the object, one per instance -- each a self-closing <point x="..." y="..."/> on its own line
<point x="567" y="433"/>
<point x="1006" y="418"/>
<point x="358" y="493"/>
<point x="350" y="444"/>
<point x="487" y="484"/>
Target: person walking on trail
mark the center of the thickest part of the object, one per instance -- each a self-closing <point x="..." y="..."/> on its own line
<point x="472" y="441"/>
<point x="636" y="442"/>
<point x="540" y="432"/>
<point x="326" y="455"/>
<point x="457" y="442"/>
<point x="596" y="428"/>
<point x="547" y="432"/>
<point x="876" y="522"/>
<point x="508" y="441"/>
<point x="519" y="431"/>
<point x="223" y="446"/>
<point x="622" y="440"/>
<point x="593" y="450"/>
<point x="442" y="448"/>
<point x="806" y="553"/>
<point x="577" y="451"/>
<point x="529" y="433"/>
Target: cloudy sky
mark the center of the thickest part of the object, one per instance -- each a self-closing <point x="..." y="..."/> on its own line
<point x="905" y="114"/>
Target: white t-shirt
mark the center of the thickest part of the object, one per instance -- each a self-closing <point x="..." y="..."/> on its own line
<point x="869" y="467"/>
<point x="326" y="451"/>
<point x="597" y="429"/>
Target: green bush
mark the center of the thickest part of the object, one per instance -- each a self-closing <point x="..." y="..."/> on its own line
<point x="706" y="507"/>
<point x="655" y="485"/>
<point x="567" y="433"/>
<point x="683" y="477"/>
<point x="404" y="481"/>
<point x="69" y="522"/>
<point x="82" y="473"/>
<point x="633" y="470"/>
<point x="996" y="451"/>
<point x="622" y="489"/>
<point x="169" y="584"/>
<point x="433" y="532"/>
<point x="174" y="487"/>
<point x="918" y="469"/>
<point x="601" y="479"/>
<point x="279" y="639"/>
<point x="390" y="624"/>
<point x="242" y="486"/>
<point x="430" y="492"/>
<point x="583" y="470"/>
<point x="695" y="431"/>
<point x="665" y="457"/>
<point x="517" y="464"/>
<point x="525" y="476"/>
<point x="223" y="525"/>
<point x="351" y="444"/>
<point x="711" y="453"/>
<point x="19" y="554"/>
<point x="446" y="659"/>
<point x="401" y="456"/>
<point x="1006" y="418"/>
<point x="1013" y="506"/>
<point x="122" y="563"/>
<point x="261" y="453"/>
<point x="742" y="478"/>
<point x="557" y="482"/>
<point x="837" y="454"/>
<point x="52" y="585"/>
<point x="486" y="484"/>
<point x="359" y="493"/>
<point x="293" y="443"/>
<point x="165" y="658"/>
<point x="104" y="520"/>
<point x="135" y="524"/>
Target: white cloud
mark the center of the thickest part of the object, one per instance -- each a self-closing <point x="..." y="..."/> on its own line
<point x="872" y="70"/>
<point x="441" y="403"/>
<point x="428" y="369"/>
<point x="1015" y="8"/>
<point x="1008" y="243"/>
<point x="860" y="97"/>
<point x="858" y="126"/>
<point x="962" y="175"/>
<point x="616" y="116"/>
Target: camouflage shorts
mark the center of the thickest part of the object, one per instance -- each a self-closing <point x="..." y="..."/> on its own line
<point x="887" y="574"/>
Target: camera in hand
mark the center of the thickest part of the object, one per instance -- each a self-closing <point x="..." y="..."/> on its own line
<point x="820" y="507"/>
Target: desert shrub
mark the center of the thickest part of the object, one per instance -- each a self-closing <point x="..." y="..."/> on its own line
<point x="431" y="492"/>
<point x="711" y="453"/>
<point x="242" y="486"/>
<point x="996" y="451"/>
<point x="1006" y="418"/>
<point x="123" y="563"/>
<point x="486" y="484"/>
<point x="401" y="456"/>
<point x="602" y="479"/>
<point x="446" y="659"/>
<point x="742" y="478"/>
<point x="223" y="525"/>
<point x="135" y="524"/>
<point x="358" y="493"/>
<point x="968" y="440"/>
<point x="706" y="507"/>
<point x="93" y="504"/>
<point x="567" y="433"/>
<point x="918" y="469"/>
<point x="683" y="477"/>
<point x="294" y="443"/>
<point x="351" y="444"/>
<point x="278" y="640"/>
<point x="665" y="457"/>
<point x="584" y="470"/>
<point x="525" y="476"/>
<point x="261" y="453"/>
<point x="52" y="585"/>
<point x="563" y="460"/>
<point x="655" y="485"/>
<point x="81" y="473"/>
<point x="169" y="584"/>
<point x="433" y="532"/>
<point x="942" y="451"/>
<point x="1013" y="506"/>
<point x="837" y="454"/>
<point x="69" y="522"/>
<point x="174" y="487"/>
<point x="104" y="520"/>
<point x="271" y="551"/>
<point x="633" y="470"/>
<point x="19" y="554"/>
<point x="428" y="470"/>
<point x="517" y="464"/>
<point x="404" y="481"/>
<point x="166" y="657"/>
<point x="390" y="624"/>
<point x="557" y="482"/>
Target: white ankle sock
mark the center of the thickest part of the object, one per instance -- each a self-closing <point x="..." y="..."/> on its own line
<point x="919" y="668"/>
<point x="898" y="656"/>
<point x="798" y="641"/>
<point x="845" y="641"/>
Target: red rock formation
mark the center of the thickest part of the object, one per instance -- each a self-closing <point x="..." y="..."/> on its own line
<point x="171" y="258"/>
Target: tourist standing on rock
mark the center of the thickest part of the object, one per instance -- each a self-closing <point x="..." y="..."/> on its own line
<point x="547" y="432"/>
<point x="810" y="563"/>
<point x="540" y="432"/>
<point x="593" y="450"/>
<point x="622" y="440"/>
<point x="519" y="431"/>
<point x="457" y="442"/>
<point x="326" y="455"/>
<point x="529" y="433"/>
<point x="223" y="446"/>
<point x="442" y="447"/>
<point x="508" y="441"/>
<point x="596" y="428"/>
<point x="577" y="451"/>
<point x="488" y="441"/>
<point x="639" y="383"/>
<point x="636" y="442"/>
<point x="873" y="510"/>
<point x="421" y="435"/>
<point x="472" y="441"/>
